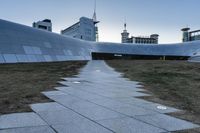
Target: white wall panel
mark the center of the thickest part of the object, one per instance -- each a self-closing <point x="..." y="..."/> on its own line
<point x="48" y="58"/>
<point x="10" y="58"/>
<point x="22" y="58"/>
<point x="28" y="50"/>
<point x="32" y="58"/>
<point x="2" y="59"/>
<point x="37" y="50"/>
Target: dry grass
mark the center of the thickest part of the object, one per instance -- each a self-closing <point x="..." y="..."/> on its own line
<point x="173" y="83"/>
<point x="22" y="84"/>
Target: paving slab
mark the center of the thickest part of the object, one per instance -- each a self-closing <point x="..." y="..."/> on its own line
<point x="54" y="93"/>
<point x="67" y="101"/>
<point x="18" y="120"/>
<point x="98" y="113"/>
<point x="80" y="93"/>
<point x="81" y="105"/>
<point x="53" y="106"/>
<point x="60" y="117"/>
<point x="167" y="122"/>
<point x="159" y="108"/>
<point x="133" y="101"/>
<point x="72" y="79"/>
<point x="110" y="103"/>
<point x="74" y="84"/>
<point x="133" y="111"/>
<point x="147" y="105"/>
<point x="124" y="95"/>
<point x="85" y="126"/>
<point x="129" y="125"/>
<point x="39" y="129"/>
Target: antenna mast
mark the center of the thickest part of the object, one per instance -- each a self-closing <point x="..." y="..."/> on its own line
<point x="95" y="22"/>
<point x="94" y="15"/>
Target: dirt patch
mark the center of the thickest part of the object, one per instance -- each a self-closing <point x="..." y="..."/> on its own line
<point x="22" y="84"/>
<point x="173" y="83"/>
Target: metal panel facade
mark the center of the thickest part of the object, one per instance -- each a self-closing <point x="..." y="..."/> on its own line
<point x="19" y="43"/>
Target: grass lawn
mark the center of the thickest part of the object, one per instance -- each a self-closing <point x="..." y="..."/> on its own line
<point x="22" y="84"/>
<point x="173" y="83"/>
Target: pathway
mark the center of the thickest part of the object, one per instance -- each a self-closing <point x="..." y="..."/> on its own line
<point x="99" y="100"/>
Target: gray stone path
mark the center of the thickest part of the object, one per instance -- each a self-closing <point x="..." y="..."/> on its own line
<point x="99" y="100"/>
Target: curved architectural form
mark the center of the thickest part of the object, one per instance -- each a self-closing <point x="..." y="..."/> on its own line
<point x="19" y="43"/>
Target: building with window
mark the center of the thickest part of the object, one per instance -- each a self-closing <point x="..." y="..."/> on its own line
<point x="190" y="35"/>
<point x="44" y="25"/>
<point x="153" y="39"/>
<point x="85" y="29"/>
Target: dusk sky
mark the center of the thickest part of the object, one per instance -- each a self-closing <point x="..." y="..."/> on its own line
<point x="144" y="17"/>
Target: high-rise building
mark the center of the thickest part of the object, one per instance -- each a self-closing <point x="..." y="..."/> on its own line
<point x="85" y="29"/>
<point x="153" y="39"/>
<point x="190" y="35"/>
<point x="43" y="25"/>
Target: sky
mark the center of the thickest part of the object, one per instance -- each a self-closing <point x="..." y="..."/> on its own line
<point x="143" y="17"/>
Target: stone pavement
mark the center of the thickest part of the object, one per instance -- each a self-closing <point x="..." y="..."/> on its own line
<point x="98" y="100"/>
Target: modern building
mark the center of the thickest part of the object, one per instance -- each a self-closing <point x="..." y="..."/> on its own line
<point x="85" y="29"/>
<point x="20" y="43"/>
<point x="190" y="35"/>
<point x="44" y="25"/>
<point x="153" y="39"/>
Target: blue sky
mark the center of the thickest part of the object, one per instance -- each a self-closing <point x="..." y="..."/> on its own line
<point x="144" y="17"/>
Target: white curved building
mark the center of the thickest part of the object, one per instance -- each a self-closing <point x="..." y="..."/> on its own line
<point x="19" y="43"/>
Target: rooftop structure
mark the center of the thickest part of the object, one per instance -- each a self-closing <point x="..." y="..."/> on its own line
<point x="153" y="39"/>
<point x="125" y="35"/>
<point x="44" y="25"/>
<point x="190" y="35"/>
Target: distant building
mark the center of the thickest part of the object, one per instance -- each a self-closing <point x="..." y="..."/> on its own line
<point x="85" y="29"/>
<point x="190" y="36"/>
<point x="153" y="39"/>
<point x="44" y="25"/>
<point x="125" y="35"/>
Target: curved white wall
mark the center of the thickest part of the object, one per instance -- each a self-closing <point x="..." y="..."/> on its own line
<point x="19" y="43"/>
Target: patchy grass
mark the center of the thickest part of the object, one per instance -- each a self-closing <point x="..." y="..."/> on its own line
<point x="22" y="84"/>
<point x="173" y="83"/>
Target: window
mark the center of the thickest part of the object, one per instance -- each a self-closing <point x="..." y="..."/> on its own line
<point x="42" y="27"/>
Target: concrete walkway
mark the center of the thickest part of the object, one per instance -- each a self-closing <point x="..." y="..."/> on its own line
<point x="99" y="100"/>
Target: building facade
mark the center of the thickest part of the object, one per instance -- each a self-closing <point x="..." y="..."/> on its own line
<point x="153" y="39"/>
<point x="43" y="25"/>
<point x="125" y="36"/>
<point x="85" y="29"/>
<point x="20" y="43"/>
<point x="190" y="35"/>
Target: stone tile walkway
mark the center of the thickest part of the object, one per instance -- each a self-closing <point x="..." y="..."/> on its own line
<point x="99" y="100"/>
